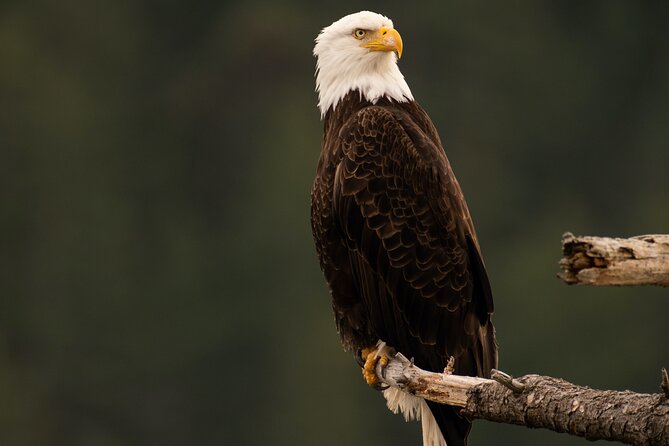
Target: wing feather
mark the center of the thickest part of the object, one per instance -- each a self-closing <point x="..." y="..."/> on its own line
<point x="411" y="244"/>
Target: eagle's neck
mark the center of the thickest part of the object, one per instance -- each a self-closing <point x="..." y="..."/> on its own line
<point x="373" y="76"/>
<point x="336" y="117"/>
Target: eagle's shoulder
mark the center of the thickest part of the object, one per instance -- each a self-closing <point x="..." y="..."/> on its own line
<point x="400" y="133"/>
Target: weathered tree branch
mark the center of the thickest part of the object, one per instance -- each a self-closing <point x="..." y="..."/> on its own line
<point x="541" y="402"/>
<point x="642" y="260"/>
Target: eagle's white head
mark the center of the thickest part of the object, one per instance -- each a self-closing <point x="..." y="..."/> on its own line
<point x="359" y="52"/>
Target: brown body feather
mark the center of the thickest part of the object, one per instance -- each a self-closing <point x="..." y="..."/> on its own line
<point x="397" y="245"/>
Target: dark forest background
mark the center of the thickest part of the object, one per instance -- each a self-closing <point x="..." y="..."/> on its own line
<point x="158" y="282"/>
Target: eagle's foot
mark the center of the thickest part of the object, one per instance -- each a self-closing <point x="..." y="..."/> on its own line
<point x="371" y="357"/>
<point x="371" y="360"/>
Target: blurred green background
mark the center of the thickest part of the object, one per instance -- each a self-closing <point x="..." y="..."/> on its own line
<point x="158" y="282"/>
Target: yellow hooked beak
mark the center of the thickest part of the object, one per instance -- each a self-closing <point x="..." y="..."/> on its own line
<point x="385" y="39"/>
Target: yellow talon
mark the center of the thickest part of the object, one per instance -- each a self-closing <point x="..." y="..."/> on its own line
<point x="369" y="372"/>
<point x="371" y="358"/>
<point x="365" y="352"/>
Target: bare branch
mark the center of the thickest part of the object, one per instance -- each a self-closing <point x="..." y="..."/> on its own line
<point x="541" y="402"/>
<point x="642" y="260"/>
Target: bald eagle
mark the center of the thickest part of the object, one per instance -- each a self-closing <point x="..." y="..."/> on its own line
<point x="392" y="230"/>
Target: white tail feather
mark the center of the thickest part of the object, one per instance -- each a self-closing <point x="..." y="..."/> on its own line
<point x="414" y="408"/>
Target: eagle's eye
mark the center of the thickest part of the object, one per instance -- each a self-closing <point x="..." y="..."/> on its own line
<point x="359" y="33"/>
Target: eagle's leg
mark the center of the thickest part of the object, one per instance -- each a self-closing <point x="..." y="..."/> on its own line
<point x="371" y="356"/>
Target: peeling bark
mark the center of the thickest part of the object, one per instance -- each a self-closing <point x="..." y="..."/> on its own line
<point x="642" y="260"/>
<point x="541" y="402"/>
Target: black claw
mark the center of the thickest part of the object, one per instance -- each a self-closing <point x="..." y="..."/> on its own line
<point x="380" y="386"/>
<point x="359" y="359"/>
